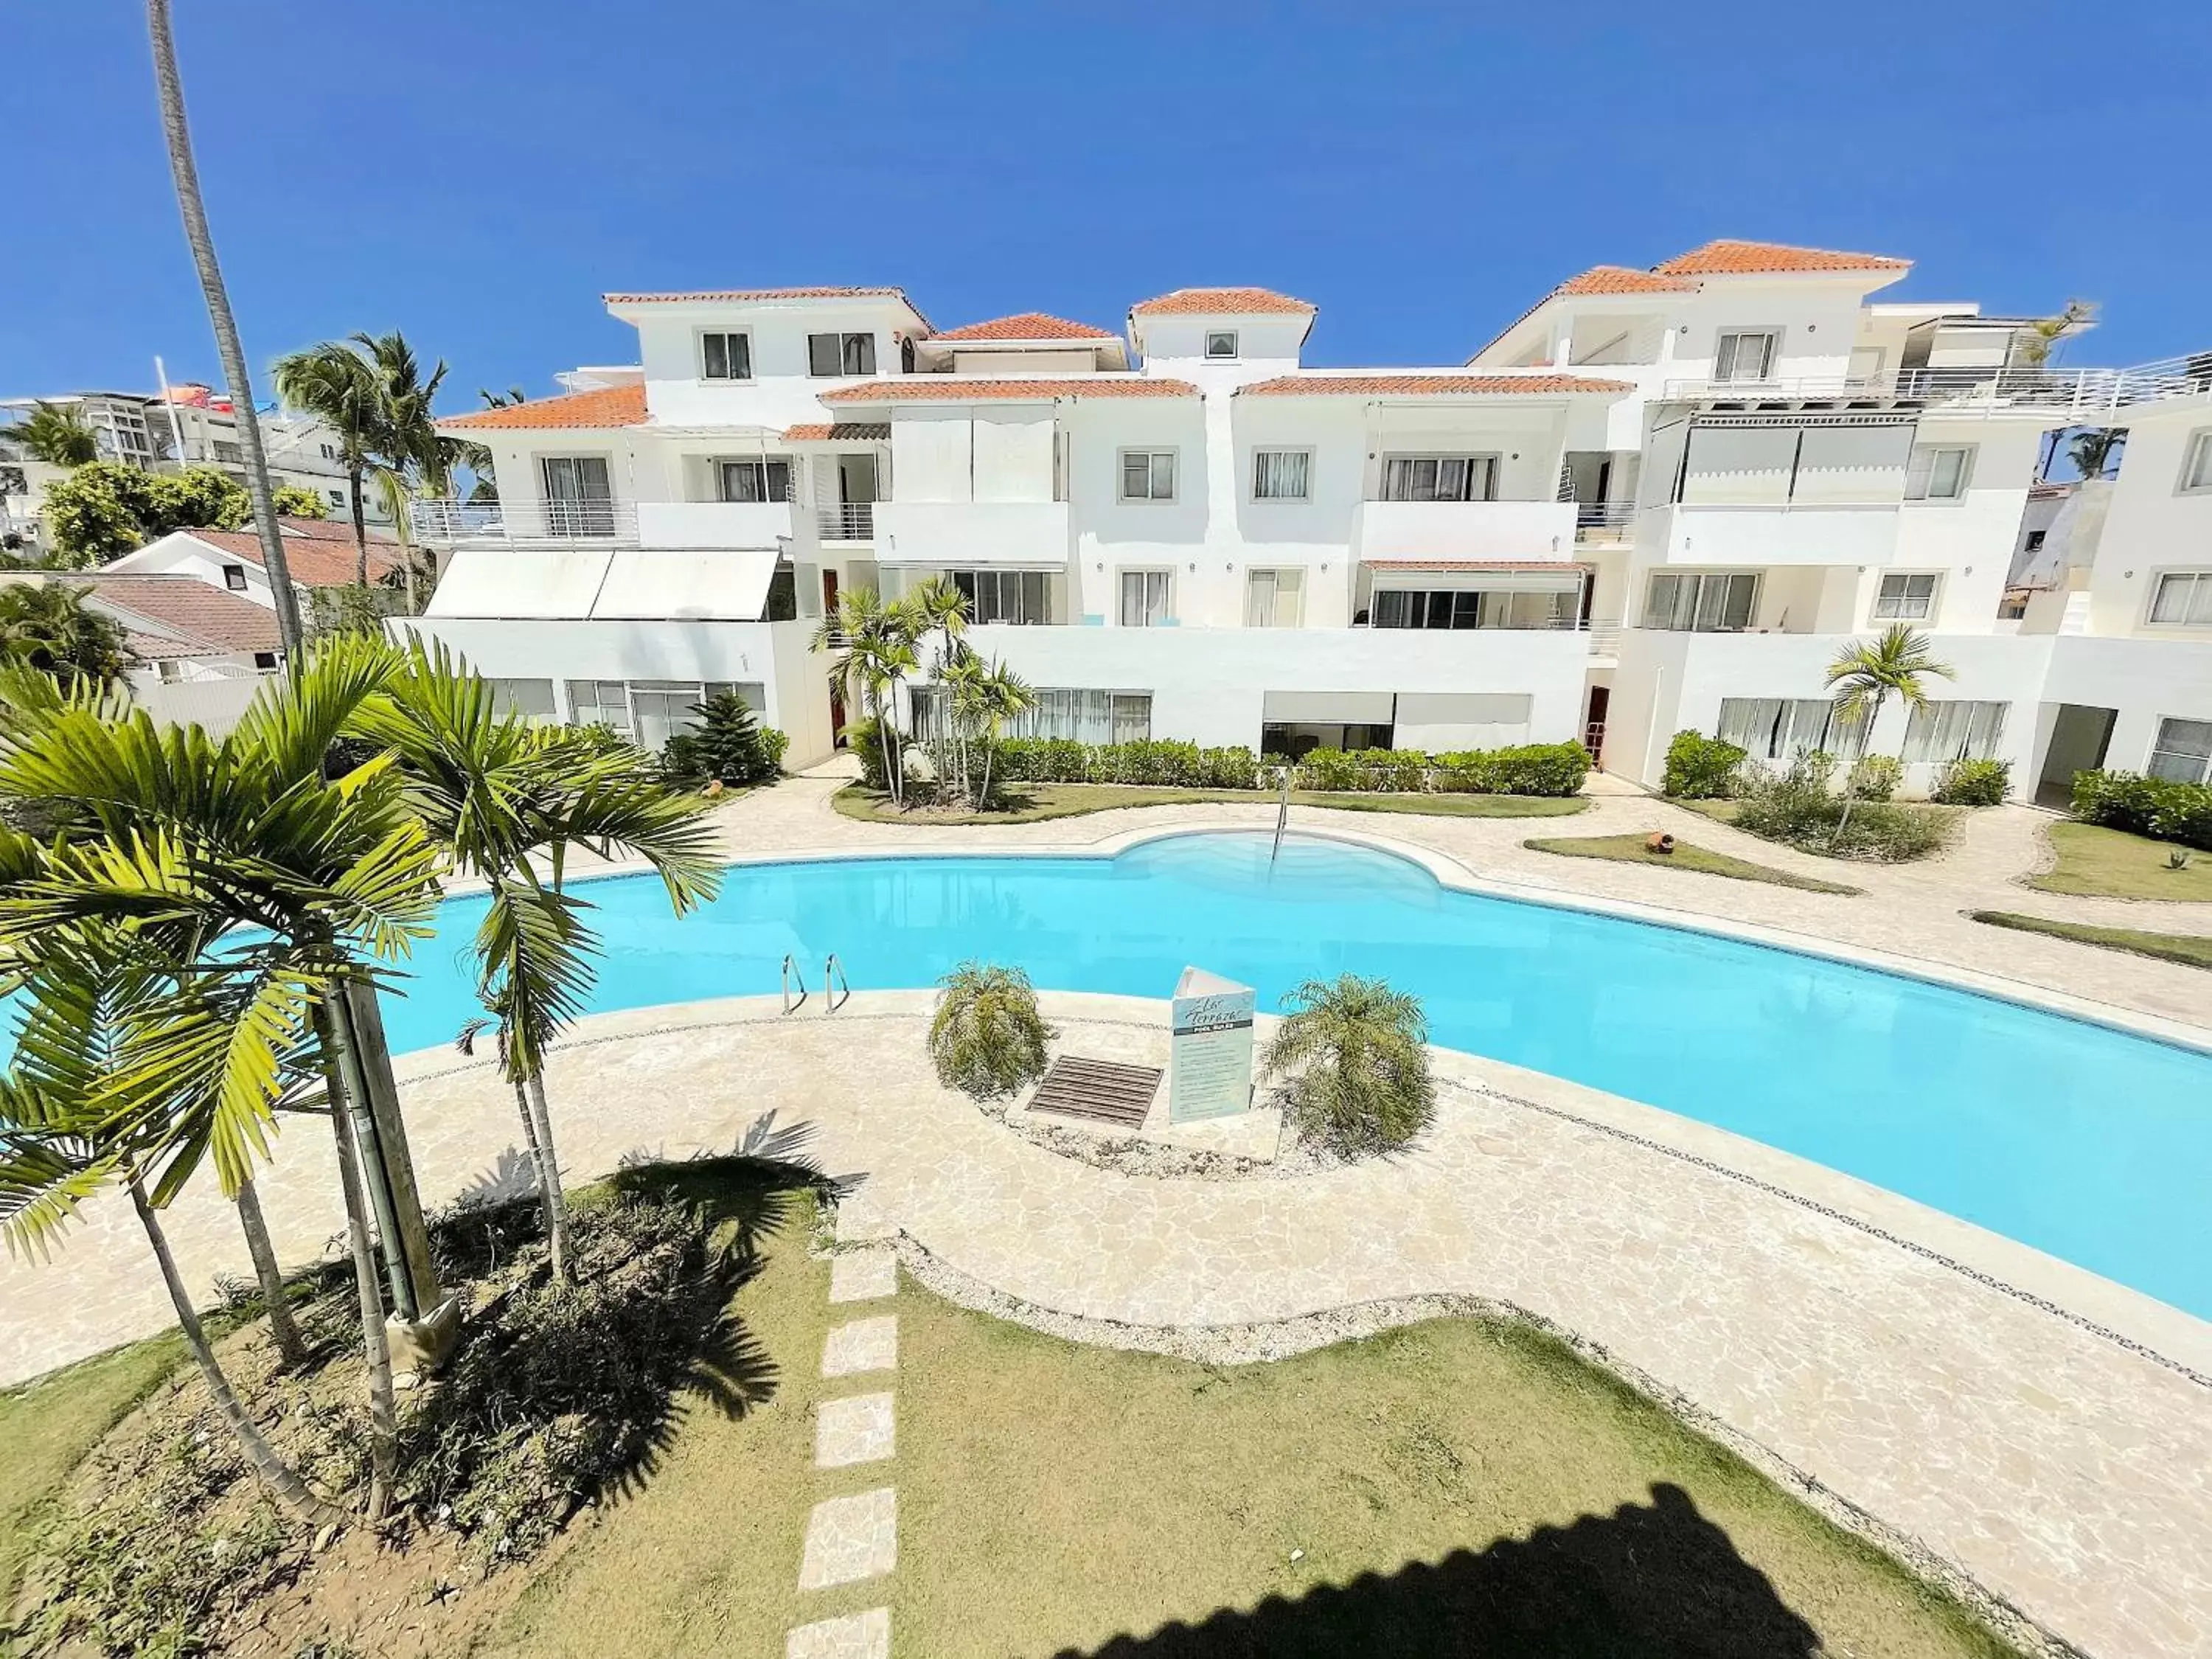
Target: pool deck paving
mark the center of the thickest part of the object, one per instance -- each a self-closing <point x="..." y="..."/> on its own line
<point x="2046" y="1433"/>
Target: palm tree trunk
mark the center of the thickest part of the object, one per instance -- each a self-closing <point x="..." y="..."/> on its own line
<point x="177" y="132"/>
<point x="383" y="1412"/>
<point x="983" y="800"/>
<point x="283" y="1480"/>
<point x="359" y="528"/>
<point x="283" y="1328"/>
<point x="549" y="1178"/>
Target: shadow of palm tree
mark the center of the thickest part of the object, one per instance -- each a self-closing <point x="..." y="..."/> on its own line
<point x="1655" y="1579"/>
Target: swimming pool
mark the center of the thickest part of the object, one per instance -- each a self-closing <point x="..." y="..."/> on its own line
<point x="2087" y="1142"/>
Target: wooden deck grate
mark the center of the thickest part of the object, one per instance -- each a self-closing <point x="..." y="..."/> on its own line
<point x="1097" y="1089"/>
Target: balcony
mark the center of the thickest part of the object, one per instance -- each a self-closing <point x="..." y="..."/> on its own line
<point x="973" y="535"/>
<point x="1775" y="533"/>
<point x="2061" y="396"/>
<point x="1465" y="530"/>
<point x="846" y="521"/>
<point x="525" y="524"/>
<point x="1604" y="524"/>
<point x="713" y="523"/>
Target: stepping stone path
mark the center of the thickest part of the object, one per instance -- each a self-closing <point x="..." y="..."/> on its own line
<point x="853" y="1538"/>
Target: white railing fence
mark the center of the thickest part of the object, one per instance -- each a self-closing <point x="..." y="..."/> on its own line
<point x="2073" y="392"/>
<point x="555" y="521"/>
<point x="846" y="521"/>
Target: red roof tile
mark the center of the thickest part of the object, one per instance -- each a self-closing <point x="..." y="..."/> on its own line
<point x="857" y="431"/>
<point x="1622" y="279"/>
<point x="1444" y="385"/>
<point x="194" y="618"/>
<point x="313" y="561"/>
<point x="965" y="388"/>
<point x="1727" y="258"/>
<point x="1219" y="302"/>
<point x="609" y="406"/>
<point x="331" y="530"/>
<point x="1026" y="325"/>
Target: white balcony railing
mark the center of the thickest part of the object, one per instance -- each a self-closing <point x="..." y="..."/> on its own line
<point x="2072" y="393"/>
<point x="525" y="524"/>
<point x="1604" y="521"/>
<point x="846" y="521"/>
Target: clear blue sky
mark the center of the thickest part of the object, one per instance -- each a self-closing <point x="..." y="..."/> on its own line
<point x="478" y="171"/>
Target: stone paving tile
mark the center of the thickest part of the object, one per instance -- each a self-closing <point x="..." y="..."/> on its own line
<point x="858" y="1635"/>
<point x="849" y="1539"/>
<point x="865" y="1345"/>
<point x="860" y="1429"/>
<point x="863" y="1275"/>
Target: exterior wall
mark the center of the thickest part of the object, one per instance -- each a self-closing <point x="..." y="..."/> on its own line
<point x="214" y="702"/>
<point x="2151" y="525"/>
<point x="781" y="392"/>
<point x="178" y="554"/>
<point x="2145" y="680"/>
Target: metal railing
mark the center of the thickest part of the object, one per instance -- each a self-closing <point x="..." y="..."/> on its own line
<point x="846" y="521"/>
<point x="793" y="976"/>
<point x="1604" y="521"/>
<point x="523" y="523"/>
<point x="2040" y="390"/>
<point x="1604" y="638"/>
<point x="833" y="975"/>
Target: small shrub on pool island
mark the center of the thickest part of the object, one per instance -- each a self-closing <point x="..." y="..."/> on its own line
<point x="1699" y="768"/>
<point x="1356" y="1056"/>
<point x="987" y="1038"/>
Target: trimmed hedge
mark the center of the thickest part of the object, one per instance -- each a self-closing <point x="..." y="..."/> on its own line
<point x="1536" y="768"/>
<point x="1973" y="783"/>
<point x="1699" y="768"/>
<point x="2157" y="807"/>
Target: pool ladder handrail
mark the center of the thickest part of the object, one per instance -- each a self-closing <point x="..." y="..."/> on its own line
<point x="790" y="973"/>
<point x="832" y="971"/>
<point x="1282" y="816"/>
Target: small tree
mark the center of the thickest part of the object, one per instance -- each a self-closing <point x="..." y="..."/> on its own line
<point x="196" y="497"/>
<point x="1865" y="677"/>
<point x="1355" y="1055"/>
<point x="295" y="502"/>
<point x="48" y="626"/>
<point x="727" y="746"/>
<point x="96" y="514"/>
<point x="987" y="1037"/>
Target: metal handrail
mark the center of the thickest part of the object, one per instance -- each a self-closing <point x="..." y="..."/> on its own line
<point x="846" y="521"/>
<point x="791" y="973"/>
<point x="2021" y="387"/>
<point x="555" y="521"/>
<point x="1282" y="818"/>
<point x="832" y="971"/>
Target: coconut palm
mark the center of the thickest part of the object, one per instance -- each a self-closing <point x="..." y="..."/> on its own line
<point x="55" y="433"/>
<point x="984" y="697"/>
<point x="2039" y="340"/>
<point x="507" y="799"/>
<point x="256" y="882"/>
<point x="48" y="626"/>
<point x="1355" y="1055"/>
<point x="177" y="130"/>
<point x="411" y="457"/>
<point x="938" y="607"/>
<point x="338" y="386"/>
<point x="1866" y="675"/>
<point x="2093" y="451"/>
<point x="875" y="648"/>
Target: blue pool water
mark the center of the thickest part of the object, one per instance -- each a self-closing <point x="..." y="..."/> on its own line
<point x="2084" y="1141"/>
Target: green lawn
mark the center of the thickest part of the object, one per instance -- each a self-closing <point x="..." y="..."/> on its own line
<point x="1635" y="849"/>
<point x="2194" y="949"/>
<point x="2095" y="862"/>
<point x="1031" y="803"/>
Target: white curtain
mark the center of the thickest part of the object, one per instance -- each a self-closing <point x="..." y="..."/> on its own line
<point x="1954" y="729"/>
<point x="1280" y="475"/>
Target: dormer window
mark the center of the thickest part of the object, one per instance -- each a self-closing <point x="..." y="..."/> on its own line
<point x="833" y="354"/>
<point x="233" y="578"/>
<point x="1221" y="345"/>
<point x="725" y="357"/>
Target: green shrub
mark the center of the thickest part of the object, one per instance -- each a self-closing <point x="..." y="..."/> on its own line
<point x="196" y="497"/>
<point x="1383" y="771"/>
<point x="1356" y="1056"/>
<point x="1875" y="777"/>
<point x="1229" y="769"/>
<point x="1529" y="769"/>
<point x="987" y="1038"/>
<point x="1973" y="783"/>
<point x="96" y="513"/>
<point x="2158" y="807"/>
<point x="865" y="738"/>
<point x="1699" y="768"/>
<point x="1797" y="808"/>
<point x="296" y="501"/>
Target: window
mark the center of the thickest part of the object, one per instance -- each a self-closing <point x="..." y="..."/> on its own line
<point x="1702" y="602"/>
<point x="2182" y="752"/>
<point x="647" y="711"/>
<point x="1273" y="598"/>
<point x="329" y="453"/>
<point x="1783" y="729"/>
<point x="579" y="500"/>
<point x="233" y="578"/>
<point x="1086" y="716"/>
<point x="1280" y="475"/>
<point x="226" y="450"/>
<point x="2035" y="538"/>
<point x="265" y="660"/>
<point x="841" y="353"/>
<point x="532" y="699"/>
<point x="1144" y="598"/>
<point x="755" y="481"/>
<point x="1745" y="355"/>
<point x="1005" y="596"/>
<point x="1904" y="598"/>
<point x="1148" y="475"/>
<point x="2196" y="465"/>
<point x="725" y="357"/>
<point x="1939" y="474"/>
<point x="1464" y="608"/>
<point x="1954" y="730"/>
<point x="1221" y="342"/>
<point x="1439" y="478"/>
<point x="338" y="497"/>
<point x="2183" y="599"/>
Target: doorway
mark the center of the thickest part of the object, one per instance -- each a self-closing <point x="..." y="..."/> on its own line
<point x="1594" y="720"/>
<point x="2079" y="739"/>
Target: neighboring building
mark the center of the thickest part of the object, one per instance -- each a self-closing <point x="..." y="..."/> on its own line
<point x="1659" y="499"/>
<point x="319" y="553"/>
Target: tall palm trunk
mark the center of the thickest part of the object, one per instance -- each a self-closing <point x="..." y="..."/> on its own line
<point x="383" y="1411"/>
<point x="549" y="1176"/>
<point x="283" y="1480"/>
<point x="360" y="526"/>
<point x="1844" y="818"/>
<point x="283" y="1329"/>
<point x="177" y="132"/>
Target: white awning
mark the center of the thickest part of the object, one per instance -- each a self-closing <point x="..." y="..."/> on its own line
<point x="660" y="584"/>
<point x="1327" y="707"/>
<point x="503" y="581"/>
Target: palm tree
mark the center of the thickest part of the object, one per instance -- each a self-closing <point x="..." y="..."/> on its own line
<point x="178" y="133"/>
<point x="48" y="626"/>
<point x="334" y="385"/>
<point x="2034" y="347"/>
<point x="411" y="457"/>
<point x="1359" y="1055"/>
<point x="983" y="698"/>
<point x="939" y="607"/>
<point x="1865" y="677"/>
<point x="55" y="433"/>
<point x="875" y="647"/>
<point x="264" y="888"/>
<point x="504" y="798"/>
<point x="475" y="457"/>
<point x="2093" y="451"/>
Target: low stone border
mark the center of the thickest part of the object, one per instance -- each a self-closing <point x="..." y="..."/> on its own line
<point x="1257" y="1343"/>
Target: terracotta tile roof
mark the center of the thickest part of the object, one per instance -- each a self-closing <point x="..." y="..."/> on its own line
<point x="194" y="618"/>
<point x="1218" y="302"/>
<point x="332" y="530"/>
<point x="858" y="431"/>
<point x="1417" y="385"/>
<point x="965" y="388"/>
<point x="313" y="561"/>
<point x="609" y="406"/>
<point x="1622" y="279"/>
<point x="1027" y="326"/>
<point x="1732" y="258"/>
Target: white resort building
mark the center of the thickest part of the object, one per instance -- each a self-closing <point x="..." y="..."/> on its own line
<point x="1659" y="499"/>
